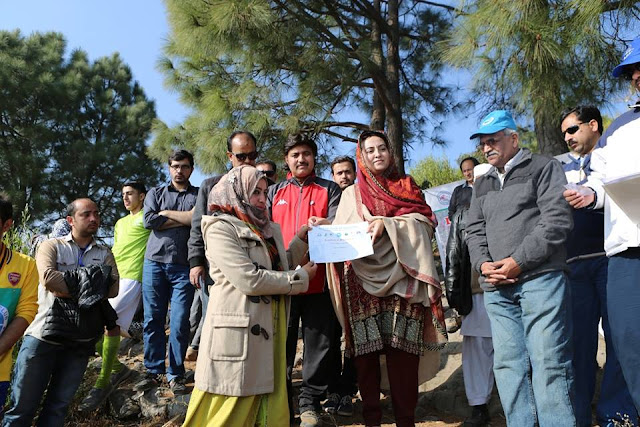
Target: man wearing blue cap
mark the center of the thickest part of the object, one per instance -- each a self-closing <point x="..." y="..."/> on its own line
<point x="617" y="155"/>
<point x="517" y="227"/>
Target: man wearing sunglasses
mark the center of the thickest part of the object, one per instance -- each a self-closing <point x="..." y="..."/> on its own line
<point x="269" y="169"/>
<point x="241" y="150"/>
<point x="617" y="155"/>
<point x="582" y="127"/>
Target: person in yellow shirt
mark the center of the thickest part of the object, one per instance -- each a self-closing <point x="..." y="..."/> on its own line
<point x="18" y="296"/>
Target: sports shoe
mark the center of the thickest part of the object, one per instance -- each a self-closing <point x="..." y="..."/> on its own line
<point x="149" y="381"/>
<point x="177" y="385"/>
<point x="310" y="418"/>
<point x="192" y="355"/>
<point x="479" y="417"/>
<point x="345" y="408"/>
<point x="119" y="377"/>
<point x="330" y="406"/>
<point x="95" y="398"/>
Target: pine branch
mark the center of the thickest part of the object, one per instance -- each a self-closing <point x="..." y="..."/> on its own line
<point x="444" y="6"/>
<point x="338" y="135"/>
<point x="312" y="22"/>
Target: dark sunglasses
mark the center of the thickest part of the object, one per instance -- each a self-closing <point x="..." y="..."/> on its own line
<point x="269" y="173"/>
<point x="243" y="156"/>
<point x="630" y="69"/>
<point x="571" y="130"/>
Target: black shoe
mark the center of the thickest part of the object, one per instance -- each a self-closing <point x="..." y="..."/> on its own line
<point x="479" y="417"/>
<point x="332" y="403"/>
<point x="346" y="406"/>
<point x="147" y="382"/>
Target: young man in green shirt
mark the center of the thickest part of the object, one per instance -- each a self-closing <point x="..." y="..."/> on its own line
<point x="130" y="243"/>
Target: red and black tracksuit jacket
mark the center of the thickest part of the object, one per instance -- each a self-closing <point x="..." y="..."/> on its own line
<point x="291" y="204"/>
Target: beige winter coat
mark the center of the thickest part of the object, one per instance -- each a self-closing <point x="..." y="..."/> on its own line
<point x="236" y="348"/>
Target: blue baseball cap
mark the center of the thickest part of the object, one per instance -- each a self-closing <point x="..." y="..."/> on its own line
<point x="630" y="56"/>
<point x="494" y="122"/>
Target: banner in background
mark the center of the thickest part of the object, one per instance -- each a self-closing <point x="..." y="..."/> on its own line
<point x="438" y="198"/>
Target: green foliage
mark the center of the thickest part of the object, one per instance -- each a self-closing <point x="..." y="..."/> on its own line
<point x="69" y="127"/>
<point x="431" y="172"/>
<point x="536" y="57"/>
<point x="20" y="235"/>
<point x="278" y="67"/>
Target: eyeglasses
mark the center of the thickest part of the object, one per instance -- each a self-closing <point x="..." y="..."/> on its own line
<point x="243" y="156"/>
<point x="628" y="71"/>
<point x="571" y="130"/>
<point x="490" y="142"/>
<point x="269" y="173"/>
<point x="180" y="167"/>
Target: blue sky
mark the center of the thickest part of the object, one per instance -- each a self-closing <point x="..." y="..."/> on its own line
<point x="138" y="30"/>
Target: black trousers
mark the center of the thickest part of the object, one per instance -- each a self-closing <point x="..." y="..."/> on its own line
<point x="345" y="380"/>
<point x="319" y="325"/>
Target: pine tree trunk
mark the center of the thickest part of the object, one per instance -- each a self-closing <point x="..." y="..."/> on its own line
<point x="548" y="135"/>
<point x="378" y="115"/>
<point x="394" y="107"/>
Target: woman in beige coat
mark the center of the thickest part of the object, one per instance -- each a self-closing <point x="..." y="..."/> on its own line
<point x="241" y="370"/>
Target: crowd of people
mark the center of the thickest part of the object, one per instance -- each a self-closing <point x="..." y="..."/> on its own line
<point x="538" y="256"/>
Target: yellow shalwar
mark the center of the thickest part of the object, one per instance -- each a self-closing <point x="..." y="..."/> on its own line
<point x="264" y="410"/>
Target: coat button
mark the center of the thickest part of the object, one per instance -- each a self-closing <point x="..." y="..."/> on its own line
<point x="257" y="330"/>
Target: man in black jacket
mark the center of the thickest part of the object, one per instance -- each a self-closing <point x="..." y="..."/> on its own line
<point x="465" y="295"/>
<point x="45" y="365"/>
<point x="241" y="150"/>
<point x="461" y="196"/>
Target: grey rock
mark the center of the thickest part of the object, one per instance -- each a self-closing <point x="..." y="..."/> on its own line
<point x="95" y="364"/>
<point x="154" y="402"/>
<point x="122" y="405"/>
<point x="178" y="406"/>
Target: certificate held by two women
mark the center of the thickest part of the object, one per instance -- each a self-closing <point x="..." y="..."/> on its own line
<point x="338" y="243"/>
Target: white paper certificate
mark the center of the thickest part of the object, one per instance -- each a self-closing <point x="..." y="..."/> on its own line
<point x="337" y="243"/>
<point x="625" y="191"/>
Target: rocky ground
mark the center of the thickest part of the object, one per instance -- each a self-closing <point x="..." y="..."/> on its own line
<point x="442" y="401"/>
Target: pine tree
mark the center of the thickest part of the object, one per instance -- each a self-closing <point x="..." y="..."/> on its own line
<point x="538" y="57"/>
<point x="69" y="128"/>
<point x="283" y="66"/>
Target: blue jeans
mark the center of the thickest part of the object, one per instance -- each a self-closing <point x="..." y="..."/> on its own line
<point x="40" y="367"/>
<point x="163" y="283"/>
<point x="623" y="302"/>
<point x="531" y="327"/>
<point x="588" y="281"/>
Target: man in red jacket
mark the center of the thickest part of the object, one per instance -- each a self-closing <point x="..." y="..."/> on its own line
<point x="305" y="199"/>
